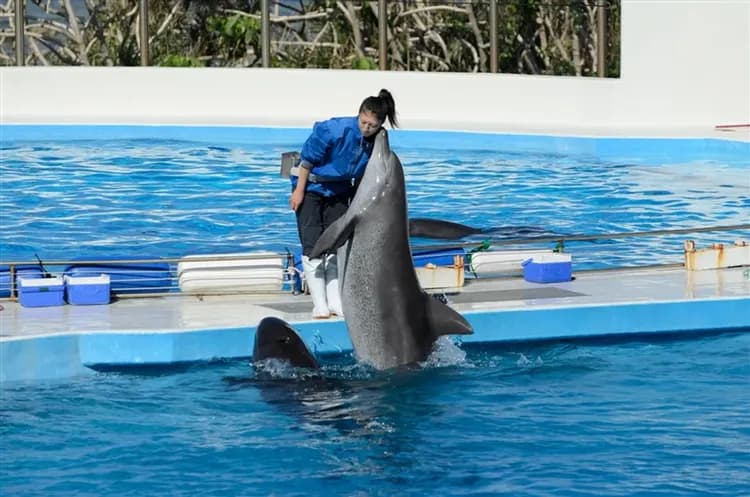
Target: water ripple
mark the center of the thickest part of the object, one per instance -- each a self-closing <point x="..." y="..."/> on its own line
<point x="86" y="197"/>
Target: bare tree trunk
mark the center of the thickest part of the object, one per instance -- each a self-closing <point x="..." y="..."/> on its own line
<point x="77" y="35"/>
<point x="479" y="50"/>
<point x="351" y="15"/>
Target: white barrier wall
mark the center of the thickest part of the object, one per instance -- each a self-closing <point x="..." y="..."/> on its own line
<point x="685" y="67"/>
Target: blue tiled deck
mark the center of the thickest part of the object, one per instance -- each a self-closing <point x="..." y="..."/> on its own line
<point x="58" y="342"/>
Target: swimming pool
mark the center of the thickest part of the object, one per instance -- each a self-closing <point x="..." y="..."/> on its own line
<point x="613" y="418"/>
<point x="565" y="418"/>
<point x="73" y="191"/>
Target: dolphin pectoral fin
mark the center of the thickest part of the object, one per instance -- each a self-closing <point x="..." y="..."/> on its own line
<point x="333" y="237"/>
<point x="445" y="321"/>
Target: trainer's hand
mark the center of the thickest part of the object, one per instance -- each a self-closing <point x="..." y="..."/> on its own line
<point x="296" y="199"/>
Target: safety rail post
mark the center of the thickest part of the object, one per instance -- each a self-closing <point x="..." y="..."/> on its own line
<point x="382" y="36"/>
<point x="493" y="36"/>
<point x="12" y="282"/>
<point x="143" y="30"/>
<point x="20" y="27"/>
<point x="601" y="38"/>
<point x="265" y="33"/>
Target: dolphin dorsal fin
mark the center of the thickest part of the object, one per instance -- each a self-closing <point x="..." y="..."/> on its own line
<point x="445" y="321"/>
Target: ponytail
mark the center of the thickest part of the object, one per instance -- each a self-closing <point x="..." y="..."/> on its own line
<point x="383" y="106"/>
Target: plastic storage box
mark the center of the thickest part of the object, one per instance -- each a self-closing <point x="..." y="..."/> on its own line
<point x="503" y="263"/>
<point x="446" y="278"/>
<point x="87" y="290"/>
<point x="239" y="272"/>
<point x="550" y="268"/>
<point x="40" y="292"/>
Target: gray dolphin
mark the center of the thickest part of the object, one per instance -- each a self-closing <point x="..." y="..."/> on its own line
<point x="275" y="339"/>
<point x="391" y="320"/>
<point x="448" y="230"/>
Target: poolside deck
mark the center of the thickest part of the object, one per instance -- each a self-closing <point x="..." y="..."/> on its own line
<point x="54" y="342"/>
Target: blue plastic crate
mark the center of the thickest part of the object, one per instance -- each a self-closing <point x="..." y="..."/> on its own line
<point x="91" y="290"/>
<point x="548" y="268"/>
<point x="40" y="292"/>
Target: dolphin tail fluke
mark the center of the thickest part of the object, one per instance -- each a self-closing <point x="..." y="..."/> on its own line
<point x="445" y="321"/>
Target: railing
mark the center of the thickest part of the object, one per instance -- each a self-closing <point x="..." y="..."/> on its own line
<point x="144" y="277"/>
<point x="285" y="276"/>
<point x="561" y="240"/>
<point x="596" y="12"/>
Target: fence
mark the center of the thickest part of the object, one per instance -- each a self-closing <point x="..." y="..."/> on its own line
<point x="275" y="273"/>
<point x="570" y="37"/>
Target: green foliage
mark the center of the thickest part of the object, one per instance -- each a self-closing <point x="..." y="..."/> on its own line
<point x="235" y="28"/>
<point x="364" y="63"/>
<point x="176" y="60"/>
<point x="533" y="36"/>
<point x="234" y="35"/>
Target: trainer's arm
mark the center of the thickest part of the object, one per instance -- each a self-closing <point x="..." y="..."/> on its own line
<point x="298" y="195"/>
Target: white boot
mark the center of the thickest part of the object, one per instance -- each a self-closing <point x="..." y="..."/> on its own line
<point x="316" y="283"/>
<point x="332" y="285"/>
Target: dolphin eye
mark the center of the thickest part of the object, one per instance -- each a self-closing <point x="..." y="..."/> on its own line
<point x="284" y="340"/>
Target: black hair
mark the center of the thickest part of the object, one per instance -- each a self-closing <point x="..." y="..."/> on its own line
<point x="382" y="106"/>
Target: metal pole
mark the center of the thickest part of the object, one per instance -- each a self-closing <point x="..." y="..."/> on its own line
<point x="601" y="41"/>
<point x="382" y="36"/>
<point x="493" y="36"/>
<point x="143" y="28"/>
<point x="20" y="27"/>
<point x="265" y="33"/>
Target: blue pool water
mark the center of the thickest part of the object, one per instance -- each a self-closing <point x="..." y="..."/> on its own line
<point x="88" y="191"/>
<point x="628" y="418"/>
<point x="658" y="417"/>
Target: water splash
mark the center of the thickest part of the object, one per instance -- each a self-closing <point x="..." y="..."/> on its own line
<point x="445" y="353"/>
<point x="525" y="362"/>
<point x="279" y="369"/>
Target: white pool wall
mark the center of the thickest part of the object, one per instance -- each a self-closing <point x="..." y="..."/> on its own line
<point x="685" y="68"/>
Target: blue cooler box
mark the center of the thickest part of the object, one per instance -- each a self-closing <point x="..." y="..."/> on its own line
<point x="548" y="268"/>
<point x="40" y="292"/>
<point x="87" y="290"/>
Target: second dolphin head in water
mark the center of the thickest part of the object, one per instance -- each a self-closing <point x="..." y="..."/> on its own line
<point x="275" y="339"/>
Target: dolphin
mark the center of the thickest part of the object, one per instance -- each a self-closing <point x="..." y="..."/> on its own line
<point x="437" y="228"/>
<point x="448" y="230"/>
<point x="391" y="321"/>
<point x="275" y="339"/>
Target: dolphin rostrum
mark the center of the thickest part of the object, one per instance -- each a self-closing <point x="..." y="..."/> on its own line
<point x="275" y="339"/>
<point x="391" y="320"/>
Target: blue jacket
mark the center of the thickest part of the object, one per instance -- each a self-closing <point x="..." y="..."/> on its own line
<point x="338" y="152"/>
